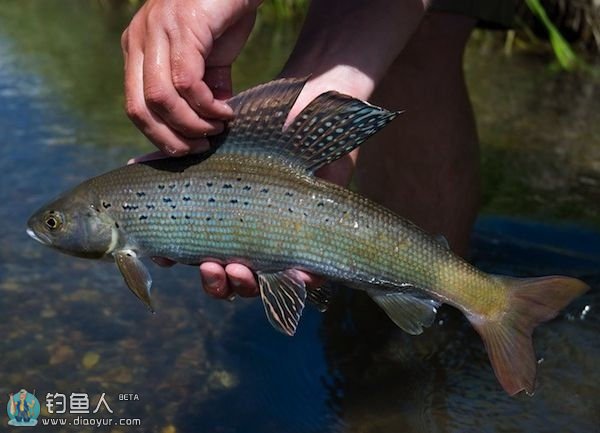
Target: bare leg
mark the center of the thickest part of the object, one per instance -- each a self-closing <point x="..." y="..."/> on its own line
<point x="425" y="165"/>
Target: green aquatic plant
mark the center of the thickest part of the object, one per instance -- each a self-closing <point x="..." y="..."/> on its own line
<point x="284" y="8"/>
<point x="565" y="55"/>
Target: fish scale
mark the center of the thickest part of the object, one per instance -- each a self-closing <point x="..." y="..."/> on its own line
<point x="254" y="199"/>
<point x="336" y="232"/>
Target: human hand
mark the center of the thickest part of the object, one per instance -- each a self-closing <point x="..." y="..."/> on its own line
<point x="178" y="56"/>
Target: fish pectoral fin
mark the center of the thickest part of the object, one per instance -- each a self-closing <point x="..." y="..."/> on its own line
<point x="320" y="297"/>
<point x="410" y="311"/>
<point x="283" y="295"/>
<point x="136" y="275"/>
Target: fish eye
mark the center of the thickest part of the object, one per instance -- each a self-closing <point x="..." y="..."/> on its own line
<point x="53" y="221"/>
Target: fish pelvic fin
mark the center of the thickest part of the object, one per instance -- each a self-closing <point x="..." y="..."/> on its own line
<point x="507" y="338"/>
<point x="283" y="295"/>
<point x="331" y="126"/>
<point x="320" y="297"/>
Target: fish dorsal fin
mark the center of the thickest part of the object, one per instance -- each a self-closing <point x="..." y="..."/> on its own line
<point x="410" y="311"/>
<point x="283" y="295"/>
<point x="259" y="115"/>
<point x="441" y="239"/>
<point x="329" y="127"/>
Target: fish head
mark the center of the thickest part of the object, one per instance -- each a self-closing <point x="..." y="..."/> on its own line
<point x="75" y="224"/>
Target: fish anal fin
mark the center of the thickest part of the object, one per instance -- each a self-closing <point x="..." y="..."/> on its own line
<point x="408" y="310"/>
<point x="136" y="275"/>
<point x="507" y="337"/>
<point x="283" y="294"/>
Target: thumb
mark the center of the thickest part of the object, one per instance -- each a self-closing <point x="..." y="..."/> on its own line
<point x="218" y="79"/>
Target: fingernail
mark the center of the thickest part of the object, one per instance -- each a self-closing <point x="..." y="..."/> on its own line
<point x="173" y="151"/>
<point x="210" y="281"/>
<point x="200" y="147"/>
<point x="226" y="107"/>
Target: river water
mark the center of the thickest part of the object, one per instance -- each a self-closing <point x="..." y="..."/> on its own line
<point x="69" y="325"/>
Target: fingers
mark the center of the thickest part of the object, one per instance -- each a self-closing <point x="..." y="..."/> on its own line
<point x="222" y="283"/>
<point x="312" y="281"/>
<point x="162" y="97"/>
<point x="167" y="96"/>
<point x="340" y="171"/>
<point x="236" y="279"/>
<point x="162" y="135"/>
<point x="218" y="78"/>
<point x="214" y="280"/>
<point x="188" y="78"/>
<point x="147" y="157"/>
<point x="241" y="280"/>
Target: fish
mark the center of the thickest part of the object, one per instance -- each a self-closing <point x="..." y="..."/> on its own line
<point x="254" y="199"/>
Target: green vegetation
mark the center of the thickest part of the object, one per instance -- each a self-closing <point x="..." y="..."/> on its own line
<point x="564" y="53"/>
<point x="284" y="9"/>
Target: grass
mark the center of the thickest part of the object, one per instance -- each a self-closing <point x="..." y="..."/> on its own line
<point x="565" y="55"/>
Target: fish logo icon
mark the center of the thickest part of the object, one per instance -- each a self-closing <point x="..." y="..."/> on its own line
<point x="23" y="409"/>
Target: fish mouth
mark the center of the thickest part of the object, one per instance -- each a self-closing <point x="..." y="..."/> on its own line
<point x="40" y="238"/>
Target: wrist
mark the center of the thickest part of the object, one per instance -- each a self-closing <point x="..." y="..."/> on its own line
<point x="340" y="78"/>
<point x="348" y="45"/>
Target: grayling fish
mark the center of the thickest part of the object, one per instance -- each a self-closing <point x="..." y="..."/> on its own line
<point x="254" y="199"/>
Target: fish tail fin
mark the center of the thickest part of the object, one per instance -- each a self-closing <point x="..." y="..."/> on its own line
<point x="507" y="337"/>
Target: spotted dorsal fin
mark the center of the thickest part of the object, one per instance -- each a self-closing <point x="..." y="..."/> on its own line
<point x="329" y="127"/>
<point x="259" y="116"/>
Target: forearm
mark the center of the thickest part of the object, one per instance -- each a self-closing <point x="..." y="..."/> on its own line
<point x="347" y="45"/>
